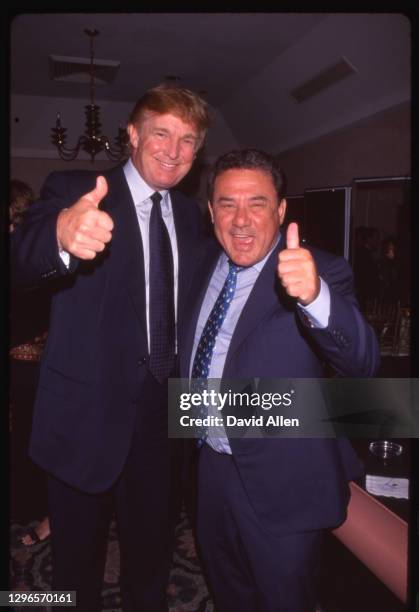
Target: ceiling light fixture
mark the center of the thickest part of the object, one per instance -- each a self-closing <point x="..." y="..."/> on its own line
<point x="92" y="141"/>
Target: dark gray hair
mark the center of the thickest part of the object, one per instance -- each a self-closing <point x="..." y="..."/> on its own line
<point x="248" y="159"/>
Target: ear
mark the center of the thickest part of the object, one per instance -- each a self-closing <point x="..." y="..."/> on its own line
<point x="281" y="210"/>
<point x="133" y="135"/>
<point x="211" y="211"/>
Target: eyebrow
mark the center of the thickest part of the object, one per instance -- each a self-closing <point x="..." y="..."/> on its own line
<point x="188" y="135"/>
<point x="259" y="197"/>
<point x="231" y="198"/>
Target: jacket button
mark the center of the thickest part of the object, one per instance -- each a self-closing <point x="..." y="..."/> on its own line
<point x="142" y="361"/>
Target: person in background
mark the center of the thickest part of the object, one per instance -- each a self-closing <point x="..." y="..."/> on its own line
<point x="267" y="308"/>
<point x="124" y="244"/>
<point x="365" y="265"/>
<point x="21" y="197"/>
<point x="389" y="272"/>
<point x="29" y="314"/>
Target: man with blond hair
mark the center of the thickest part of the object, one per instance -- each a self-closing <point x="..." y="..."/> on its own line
<point x="124" y="243"/>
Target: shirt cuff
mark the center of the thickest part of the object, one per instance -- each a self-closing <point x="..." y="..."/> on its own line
<point x="318" y="312"/>
<point x="65" y="257"/>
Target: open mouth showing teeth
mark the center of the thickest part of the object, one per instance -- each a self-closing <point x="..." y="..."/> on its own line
<point x="166" y="165"/>
<point x="243" y="239"/>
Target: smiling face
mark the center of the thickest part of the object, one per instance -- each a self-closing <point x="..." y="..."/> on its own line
<point x="246" y="214"/>
<point x="163" y="148"/>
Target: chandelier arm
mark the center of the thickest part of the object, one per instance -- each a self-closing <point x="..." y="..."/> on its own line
<point x="114" y="156"/>
<point x="117" y="152"/>
<point x="68" y="154"/>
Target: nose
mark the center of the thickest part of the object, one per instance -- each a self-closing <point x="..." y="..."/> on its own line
<point x="172" y="148"/>
<point x="241" y="217"/>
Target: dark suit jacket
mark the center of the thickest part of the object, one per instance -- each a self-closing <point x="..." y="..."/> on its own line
<point x="294" y="484"/>
<point x="95" y="361"/>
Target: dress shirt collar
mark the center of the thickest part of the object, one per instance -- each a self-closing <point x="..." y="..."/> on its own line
<point x="223" y="260"/>
<point x="140" y="191"/>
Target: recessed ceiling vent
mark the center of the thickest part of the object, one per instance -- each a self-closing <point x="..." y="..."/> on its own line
<point x="77" y="69"/>
<point x="328" y="77"/>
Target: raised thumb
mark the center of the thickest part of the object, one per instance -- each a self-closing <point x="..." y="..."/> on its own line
<point x="293" y="239"/>
<point x="99" y="192"/>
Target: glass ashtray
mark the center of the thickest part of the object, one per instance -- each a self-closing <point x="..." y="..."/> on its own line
<point x="384" y="449"/>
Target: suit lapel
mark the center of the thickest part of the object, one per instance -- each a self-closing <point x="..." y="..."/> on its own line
<point x="127" y="246"/>
<point x="186" y="250"/>
<point x="196" y="296"/>
<point x="265" y="296"/>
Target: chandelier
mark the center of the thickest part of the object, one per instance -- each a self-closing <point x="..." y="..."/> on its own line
<point x="92" y="141"/>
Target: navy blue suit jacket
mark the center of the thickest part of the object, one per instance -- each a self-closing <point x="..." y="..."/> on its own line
<point x="96" y="358"/>
<point x="293" y="484"/>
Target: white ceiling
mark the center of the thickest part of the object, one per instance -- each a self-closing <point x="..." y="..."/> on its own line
<point x="248" y="63"/>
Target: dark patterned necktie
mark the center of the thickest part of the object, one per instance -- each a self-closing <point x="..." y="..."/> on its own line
<point x="161" y="296"/>
<point x="205" y="349"/>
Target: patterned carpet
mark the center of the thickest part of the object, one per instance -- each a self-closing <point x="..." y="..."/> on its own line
<point x="30" y="570"/>
<point x="187" y="592"/>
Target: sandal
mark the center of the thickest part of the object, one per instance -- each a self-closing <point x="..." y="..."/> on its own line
<point x="33" y="534"/>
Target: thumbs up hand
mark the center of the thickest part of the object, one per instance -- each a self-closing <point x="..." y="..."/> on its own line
<point x="297" y="270"/>
<point x="83" y="230"/>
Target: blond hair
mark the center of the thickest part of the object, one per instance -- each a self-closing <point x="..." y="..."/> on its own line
<point x="181" y="102"/>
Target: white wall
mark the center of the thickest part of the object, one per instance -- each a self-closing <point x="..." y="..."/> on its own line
<point x="374" y="147"/>
<point x="276" y="122"/>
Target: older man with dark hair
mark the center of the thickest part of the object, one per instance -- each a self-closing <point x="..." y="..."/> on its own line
<point x="268" y="308"/>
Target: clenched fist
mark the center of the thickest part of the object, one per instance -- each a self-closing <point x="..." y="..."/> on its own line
<point x="83" y="230"/>
<point x="297" y="270"/>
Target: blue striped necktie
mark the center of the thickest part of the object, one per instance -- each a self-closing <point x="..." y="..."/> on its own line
<point x="205" y="348"/>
